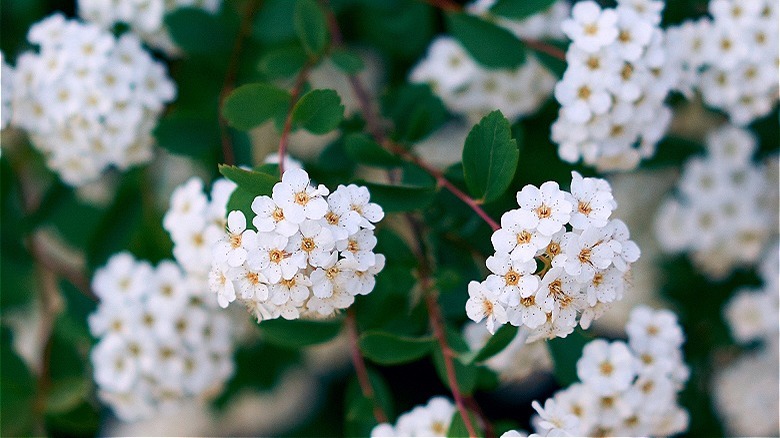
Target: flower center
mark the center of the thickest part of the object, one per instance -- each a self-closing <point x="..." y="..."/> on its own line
<point x="523" y="237"/>
<point x="166" y="290"/>
<point x="275" y="255"/>
<point x="235" y="240"/>
<point x="543" y="211"/>
<point x="278" y="214"/>
<point x="253" y="278"/>
<point x="332" y="218"/>
<point x="553" y="249"/>
<point x="353" y="246"/>
<point x="624" y="36"/>
<point x="584" y="92"/>
<point x="584" y="256"/>
<point x="584" y="208"/>
<point x="487" y="305"/>
<point x="652" y="330"/>
<point x="332" y="272"/>
<point x="301" y="198"/>
<point x="512" y="278"/>
<point x="590" y="29"/>
<point x="288" y="283"/>
<point x="606" y="368"/>
<point x="528" y="301"/>
<point x="307" y="244"/>
<point x="598" y="279"/>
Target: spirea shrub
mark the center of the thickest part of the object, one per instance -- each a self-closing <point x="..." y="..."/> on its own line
<point x="388" y="218"/>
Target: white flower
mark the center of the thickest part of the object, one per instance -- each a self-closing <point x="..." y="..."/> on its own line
<point x="606" y="368"/>
<point x="593" y="201"/>
<point x="430" y="420"/>
<point x="222" y="285"/>
<point x="270" y="217"/>
<point x="518" y="235"/>
<point x="483" y="304"/>
<point x="233" y="249"/>
<point x="512" y="279"/>
<point x="586" y="253"/>
<point x="123" y="278"/>
<point x="581" y="97"/>
<point x="554" y="420"/>
<point x="358" y="249"/>
<point x="315" y="241"/>
<point x="298" y="199"/>
<point x="548" y="203"/>
<point x="590" y="28"/>
<point x="271" y="259"/>
<point x="250" y="284"/>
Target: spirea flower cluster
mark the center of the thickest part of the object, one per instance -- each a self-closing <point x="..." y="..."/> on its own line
<point x="430" y="420"/>
<point x="196" y="222"/>
<point x="749" y="385"/>
<point x="161" y="337"/>
<point x="625" y="389"/>
<point x="467" y="88"/>
<point x="731" y="58"/>
<point x="311" y="253"/>
<point x="6" y="92"/>
<point x="725" y="209"/>
<point x="559" y="260"/>
<point x="517" y="361"/>
<point x="612" y="93"/>
<point x="144" y="17"/>
<point x="87" y="99"/>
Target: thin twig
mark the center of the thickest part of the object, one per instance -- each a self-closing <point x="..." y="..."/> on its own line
<point x="295" y="93"/>
<point x="231" y="75"/>
<point x="360" y="367"/>
<point x="483" y="419"/>
<point x="374" y="127"/>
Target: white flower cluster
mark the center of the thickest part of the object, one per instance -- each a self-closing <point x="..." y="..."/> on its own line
<point x="626" y="389"/>
<point x="467" y="88"/>
<point x="731" y="58"/>
<point x="430" y="420"/>
<point x="612" y="93"/>
<point x="311" y="255"/>
<point x="726" y="206"/>
<point x="87" y="99"/>
<point x="144" y="17"/>
<point x="517" y="361"/>
<point x="196" y="223"/>
<point x="161" y="338"/>
<point x="558" y="256"/>
<point x="6" y="91"/>
<point x="749" y="385"/>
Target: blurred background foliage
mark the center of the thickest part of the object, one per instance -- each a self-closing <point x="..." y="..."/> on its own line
<point x="58" y="397"/>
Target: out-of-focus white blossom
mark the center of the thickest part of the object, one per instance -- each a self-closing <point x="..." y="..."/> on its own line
<point x="517" y="361"/>
<point x="726" y="207"/>
<point x="430" y="420"/>
<point x="310" y="252"/>
<point x="731" y="58"/>
<point x="161" y="337"/>
<point x="469" y="89"/>
<point x="87" y="99"/>
<point x="626" y="389"/>
<point x="144" y="17"/>
<point x="6" y="91"/>
<point x="560" y="260"/>
<point x="612" y="93"/>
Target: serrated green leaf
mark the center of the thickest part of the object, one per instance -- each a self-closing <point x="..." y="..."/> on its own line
<point x="347" y="61"/>
<point x="494" y="345"/>
<point x="388" y="349"/>
<point x="490" y="45"/>
<point x="298" y="333"/>
<point x="283" y="62"/>
<point x="251" y="105"/>
<point x="318" y="111"/>
<point x="490" y="157"/>
<point x="565" y="353"/>
<point x="66" y="394"/>
<point x="519" y="9"/>
<point x="250" y="180"/>
<point x="395" y="198"/>
<point x="364" y="150"/>
<point x="311" y="26"/>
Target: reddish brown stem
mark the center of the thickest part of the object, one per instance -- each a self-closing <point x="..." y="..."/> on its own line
<point x="374" y="127"/>
<point x="437" y="324"/>
<point x="295" y="93"/>
<point x="541" y="46"/>
<point x="446" y="5"/>
<point x="360" y="367"/>
<point x="230" y="78"/>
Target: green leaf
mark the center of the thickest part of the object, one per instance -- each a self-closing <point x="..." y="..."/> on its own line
<point x="490" y="157"/>
<point x="519" y="9"/>
<point x="282" y="62"/>
<point x="457" y="427"/>
<point x="565" y="353"/>
<point x="299" y="333"/>
<point x="190" y="135"/>
<point x="251" y="105"/>
<point x="311" y="26"/>
<point x="364" y="150"/>
<point x="241" y="200"/>
<point x="395" y="198"/>
<point x="494" y="345"/>
<point x="347" y="61"/>
<point x="250" y="180"/>
<point x="359" y="412"/>
<point x="198" y="32"/>
<point x="490" y="45"/>
<point x="66" y="394"/>
<point x="415" y="111"/>
<point x="318" y="111"/>
<point x="389" y="349"/>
